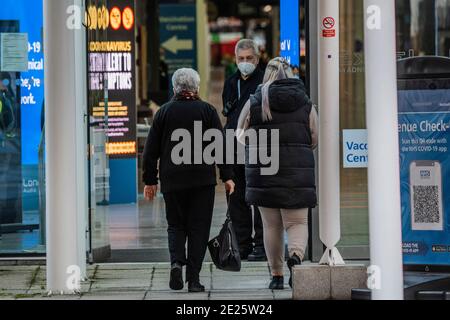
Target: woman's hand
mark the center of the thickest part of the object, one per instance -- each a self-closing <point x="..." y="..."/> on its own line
<point x="150" y="192"/>
<point x="229" y="186"/>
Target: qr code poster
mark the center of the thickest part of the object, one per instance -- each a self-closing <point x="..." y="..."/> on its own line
<point x="424" y="134"/>
<point x="426" y="195"/>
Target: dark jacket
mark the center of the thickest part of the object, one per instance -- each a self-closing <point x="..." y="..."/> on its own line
<point x="232" y="106"/>
<point x="172" y="116"/>
<point x="293" y="187"/>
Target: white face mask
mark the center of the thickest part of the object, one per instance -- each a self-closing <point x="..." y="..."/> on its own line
<point x="246" y="68"/>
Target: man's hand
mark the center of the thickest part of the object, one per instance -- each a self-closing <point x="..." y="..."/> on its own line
<point x="229" y="186"/>
<point x="150" y="192"/>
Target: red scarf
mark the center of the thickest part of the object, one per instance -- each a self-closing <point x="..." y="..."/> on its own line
<point x="187" y="95"/>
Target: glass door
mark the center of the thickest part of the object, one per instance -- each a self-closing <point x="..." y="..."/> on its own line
<point x="99" y="246"/>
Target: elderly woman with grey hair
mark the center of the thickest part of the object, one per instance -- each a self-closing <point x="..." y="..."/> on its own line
<point x="188" y="188"/>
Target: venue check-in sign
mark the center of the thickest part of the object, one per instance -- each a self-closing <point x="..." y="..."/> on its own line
<point x="112" y="71"/>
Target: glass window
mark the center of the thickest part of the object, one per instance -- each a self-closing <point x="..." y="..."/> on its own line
<point x="99" y="171"/>
<point x="22" y="207"/>
<point x="423" y="27"/>
<point x="354" y="206"/>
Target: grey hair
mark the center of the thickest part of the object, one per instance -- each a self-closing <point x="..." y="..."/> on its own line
<point x="186" y="79"/>
<point x="277" y="69"/>
<point x="245" y="44"/>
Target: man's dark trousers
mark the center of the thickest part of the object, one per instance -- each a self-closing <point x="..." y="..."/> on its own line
<point x="189" y="214"/>
<point x="241" y="215"/>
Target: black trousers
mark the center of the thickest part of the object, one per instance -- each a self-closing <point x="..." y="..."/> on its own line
<point x="241" y="214"/>
<point x="189" y="214"/>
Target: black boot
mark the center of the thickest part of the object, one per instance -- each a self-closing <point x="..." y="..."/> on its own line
<point x="277" y="283"/>
<point x="258" y="254"/>
<point x="293" y="261"/>
<point x="176" y="277"/>
<point x="195" y="286"/>
<point x="244" y="252"/>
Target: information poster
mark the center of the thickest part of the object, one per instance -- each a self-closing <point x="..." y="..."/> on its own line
<point x="112" y="70"/>
<point x="424" y="133"/>
<point x="355" y="148"/>
<point x="14" y="52"/>
<point x="25" y="19"/>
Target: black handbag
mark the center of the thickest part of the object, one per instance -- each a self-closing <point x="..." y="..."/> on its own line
<point x="224" y="248"/>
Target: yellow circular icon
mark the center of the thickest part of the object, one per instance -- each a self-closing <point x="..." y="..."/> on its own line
<point x="128" y="18"/>
<point x="92" y="18"/>
<point x="100" y="18"/>
<point x="115" y="18"/>
<point x="105" y="15"/>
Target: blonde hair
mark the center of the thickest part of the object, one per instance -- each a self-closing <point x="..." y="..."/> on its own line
<point x="277" y="69"/>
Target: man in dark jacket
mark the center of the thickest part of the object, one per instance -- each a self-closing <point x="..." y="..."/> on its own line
<point x="188" y="186"/>
<point x="236" y="92"/>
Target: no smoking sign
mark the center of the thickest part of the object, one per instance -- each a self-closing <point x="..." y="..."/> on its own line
<point x="328" y="24"/>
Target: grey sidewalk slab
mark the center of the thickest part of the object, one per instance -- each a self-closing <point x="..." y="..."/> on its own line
<point x="265" y="294"/>
<point x="129" y="266"/>
<point x="53" y="297"/>
<point x="163" y="284"/>
<point x="241" y="282"/>
<point x="176" y="295"/>
<point x="17" y="268"/>
<point x="115" y="295"/>
<point x="148" y="281"/>
<point x="119" y="274"/>
<point x="115" y="285"/>
<point x="285" y="294"/>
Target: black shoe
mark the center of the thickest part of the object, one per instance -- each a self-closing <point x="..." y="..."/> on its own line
<point x="195" y="286"/>
<point x="258" y="254"/>
<point x="176" y="277"/>
<point x="277" y="283"/>
<point x="244" y="253"/>
<point x="293" y="261"/>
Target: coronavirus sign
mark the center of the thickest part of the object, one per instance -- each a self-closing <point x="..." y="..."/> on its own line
<point x="112" y="70"/>
<point x="112" y="84"/>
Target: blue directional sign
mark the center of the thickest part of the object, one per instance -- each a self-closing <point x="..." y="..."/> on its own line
<point x="178" y="36"/>
<point x="290" y="31"/>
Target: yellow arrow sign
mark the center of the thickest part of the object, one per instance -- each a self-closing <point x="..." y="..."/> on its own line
<point x="174" y="45"/>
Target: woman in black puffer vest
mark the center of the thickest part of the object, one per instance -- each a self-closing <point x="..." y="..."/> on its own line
<point x="283" y="198"/>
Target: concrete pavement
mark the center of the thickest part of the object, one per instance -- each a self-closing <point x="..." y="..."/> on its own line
<point x="144" y="281"/>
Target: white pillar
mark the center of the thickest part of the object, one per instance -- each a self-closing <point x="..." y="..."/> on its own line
<point x="65" y="101"/>
<point x="329" y="162"/>
<point x="382" y="124"/>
